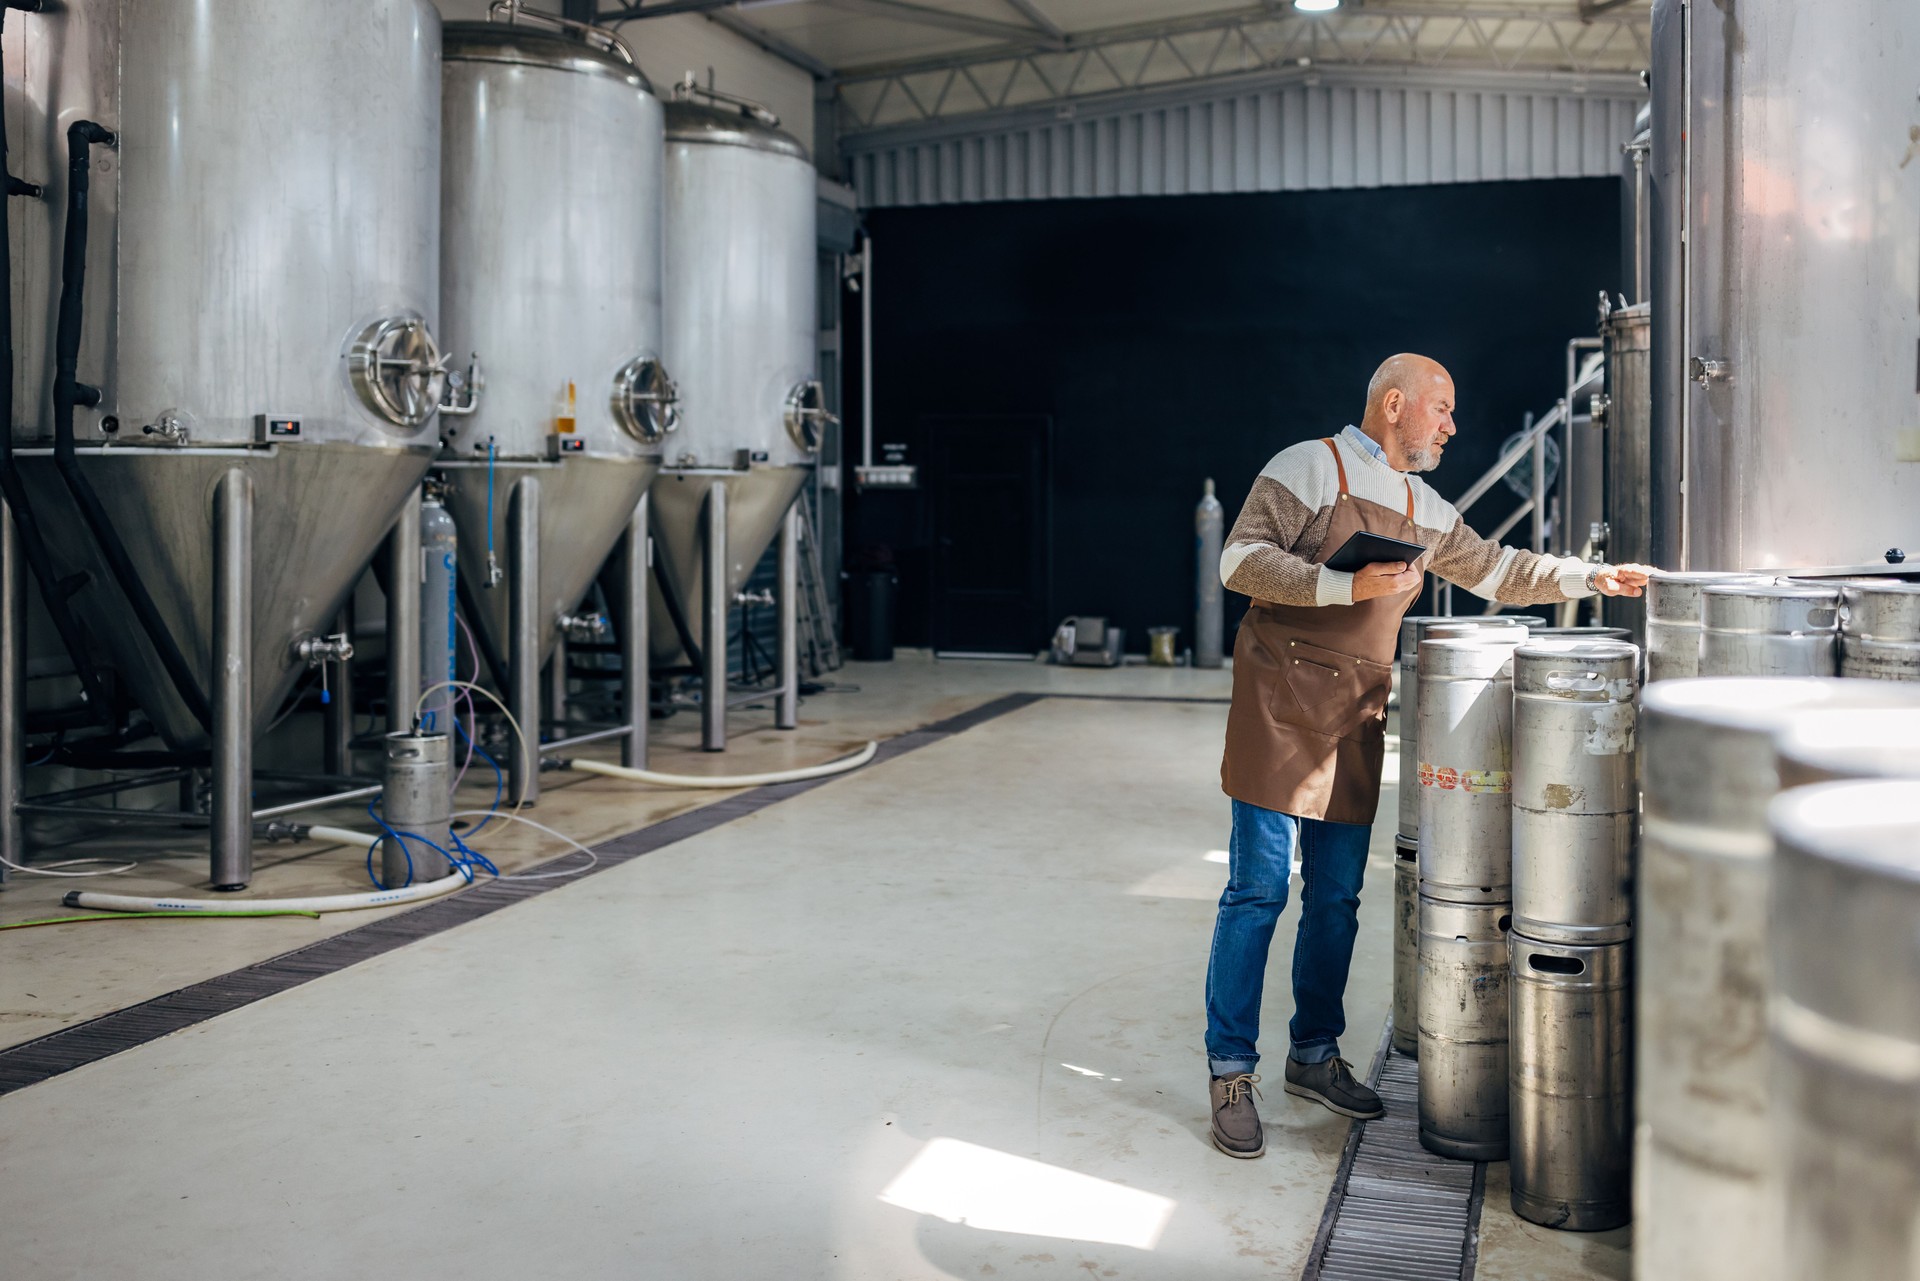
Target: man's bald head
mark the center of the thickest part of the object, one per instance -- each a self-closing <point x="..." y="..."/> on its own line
<point x="1410" y="410"/>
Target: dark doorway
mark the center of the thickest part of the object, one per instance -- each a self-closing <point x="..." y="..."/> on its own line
<point x="987" y="488"/>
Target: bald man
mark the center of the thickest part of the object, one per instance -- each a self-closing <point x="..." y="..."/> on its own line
<point x="1312" y="666"/>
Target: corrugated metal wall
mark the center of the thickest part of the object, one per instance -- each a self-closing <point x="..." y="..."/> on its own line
<point x="1288" y="138"/>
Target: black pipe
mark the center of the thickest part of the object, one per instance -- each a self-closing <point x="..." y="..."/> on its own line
<point x="101" y="708"/>
<point x="69" y="391"/>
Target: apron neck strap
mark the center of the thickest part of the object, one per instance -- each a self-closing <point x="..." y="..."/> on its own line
<point x="1340" y="464"/>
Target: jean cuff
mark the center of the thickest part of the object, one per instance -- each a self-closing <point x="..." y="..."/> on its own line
<point x="1231" y="1067"/>
<point x="1318" y="1052"/>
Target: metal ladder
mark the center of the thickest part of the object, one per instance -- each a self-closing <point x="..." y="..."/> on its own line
<point x="820" y="647"/>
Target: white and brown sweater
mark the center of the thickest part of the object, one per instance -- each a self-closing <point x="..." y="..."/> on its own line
<point x="1269" y="553"/>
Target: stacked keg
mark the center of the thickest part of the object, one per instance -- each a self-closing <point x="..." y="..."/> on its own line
<point x="1406" y="842"/>
<point x="1845" y="1034"/>
<point x="1769" y="629"/>
<point x="1574" y="802"/>
<point x="1465" y="745"/>
<point x="1673" y="621"/>
<point x="1880" y="630"/>
<point x="1706" y="1203"/>
<point x="1846" y="1028"/>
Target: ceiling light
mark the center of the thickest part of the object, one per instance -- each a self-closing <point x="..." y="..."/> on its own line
<point x="1315" y="6"/>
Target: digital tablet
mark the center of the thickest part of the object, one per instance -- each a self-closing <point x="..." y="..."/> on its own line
<point x="1372" y="549"/>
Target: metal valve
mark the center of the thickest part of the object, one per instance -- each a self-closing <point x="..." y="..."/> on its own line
<point x="1704" y="371"/>
<point x="318" y="651"/>
<point x="761" y="597"/>
<point x="170" y="426"/>
<point x="584" y="629"/>
<point x="461" y="396"/>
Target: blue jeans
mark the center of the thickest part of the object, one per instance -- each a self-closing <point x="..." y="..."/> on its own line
<point x="1333" y="859"/>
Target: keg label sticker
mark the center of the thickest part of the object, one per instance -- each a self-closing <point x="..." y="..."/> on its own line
<point x="1611" y="730"/>
<point x="1435" y="776"/>
<point x="1486" y="780"/>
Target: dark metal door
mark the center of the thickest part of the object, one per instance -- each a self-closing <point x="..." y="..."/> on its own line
<point x="988" y="489"/>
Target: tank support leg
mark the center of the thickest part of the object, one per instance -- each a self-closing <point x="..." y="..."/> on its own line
<point x="403" y="616"/>
<point x="786" y="708"/>
<point x="13" y="692"/>
<point x="523" y="653"/>
<point x="557" y="687"/>
<point x="635" y="556"/>
<point x="232" y="864"/>
<point x="713" y="681"/>
<point x="338" y="730"/>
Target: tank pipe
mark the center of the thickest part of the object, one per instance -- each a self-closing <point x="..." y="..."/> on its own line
<point x="616" y="43"/>
<point x="841" y="766"/>
<point x="1686" y="270"/>
<point x="68" y="391"/>
<point x="33" y="543"/>
<point x="496" y="665"/>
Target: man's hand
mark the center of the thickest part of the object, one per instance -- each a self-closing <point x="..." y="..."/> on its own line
<point x="1624" y="580"/>
<point x="1388" y="578"/>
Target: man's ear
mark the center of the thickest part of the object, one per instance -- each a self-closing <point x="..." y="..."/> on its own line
<point x="1392" y="403"/>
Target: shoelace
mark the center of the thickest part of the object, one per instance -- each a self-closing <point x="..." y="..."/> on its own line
<point x="1342" y="1072"/>
<point x="1237" y="1088"/>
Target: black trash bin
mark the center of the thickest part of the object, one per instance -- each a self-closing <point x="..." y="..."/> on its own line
<point x="870" y="608"/>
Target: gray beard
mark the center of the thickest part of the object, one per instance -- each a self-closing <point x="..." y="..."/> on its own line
<point x="1421" y="461"/>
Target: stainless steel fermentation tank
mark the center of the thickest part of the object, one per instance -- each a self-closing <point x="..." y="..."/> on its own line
<point x="1786" y="283"/>
<point x="262" y="264"/>
<point x="1705" y="1205"/>
<point x="741" y="290"/>
<point x="551" y="270"/>
<point x="1846" y="1028"/>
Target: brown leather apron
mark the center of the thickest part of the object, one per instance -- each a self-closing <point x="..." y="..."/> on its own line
<point x="1307" y="730"/>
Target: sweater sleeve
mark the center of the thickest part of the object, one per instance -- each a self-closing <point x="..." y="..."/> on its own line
<point x="1507" y="574"/>
<point x="1259" y="560"/>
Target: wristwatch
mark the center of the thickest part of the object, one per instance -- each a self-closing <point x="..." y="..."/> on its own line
<point x="1593" y="577"/>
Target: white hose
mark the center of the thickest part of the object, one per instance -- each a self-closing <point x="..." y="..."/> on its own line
<point x="840" y="766"/>
<point x="340" y="835"/>
<point x="318" y="903"/>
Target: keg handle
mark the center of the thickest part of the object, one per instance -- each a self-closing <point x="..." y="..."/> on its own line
<point x="1823" y="618"/>
<point x="1547" y="963"/>
<point x="1576" y="682"/>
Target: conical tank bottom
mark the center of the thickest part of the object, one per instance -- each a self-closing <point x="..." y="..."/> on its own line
<point x="319" y="513"/>
<point x="757" y="499"/>
<point x="585" y="503"/>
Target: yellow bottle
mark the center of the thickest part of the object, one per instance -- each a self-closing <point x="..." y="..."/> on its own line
<point x="563" y="421"/>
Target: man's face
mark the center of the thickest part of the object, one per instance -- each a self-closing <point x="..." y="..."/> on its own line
<point x="1424" y="424"/>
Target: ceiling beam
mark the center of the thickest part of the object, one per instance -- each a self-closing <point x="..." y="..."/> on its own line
<point x="784" y="50"/>
<point x="1591" y="9"/>
<point x="662" y="9"/>
<point x="1031" y="12"/>
<point x="1024" y="37"/>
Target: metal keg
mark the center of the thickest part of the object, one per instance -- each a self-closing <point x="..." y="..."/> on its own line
<point x="1673" y="621"/>
<point x="1466" y="762"/>
<point x="1880" y="630"/>
<point x="1846" y="1029"/>
<point x="1571" y="1084"/>
<point x="1867" y="742"/>
<point x="417" y="799"/>
<point x="1406" y="946"/>
<point x="1701" y="1201"/>
<point x="1413" y="630"/>
<point x="1574" y="790"/>
<point x="1769" y="629"/>
<point x="1579" y="633"/>
<point x="1463" y="1013"/>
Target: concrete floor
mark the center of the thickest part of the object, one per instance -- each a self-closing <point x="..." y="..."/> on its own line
<point x="937" y="1019"/>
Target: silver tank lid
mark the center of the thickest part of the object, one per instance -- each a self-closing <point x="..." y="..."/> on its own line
<point x="529" y="46"/>
<point x="727" y="126"/>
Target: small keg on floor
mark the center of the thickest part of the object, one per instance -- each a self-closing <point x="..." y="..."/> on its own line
<point x="1406" y="946"/>
<point x="1463" y="1015"/>
<point x="1846" y="1029"/>
<point x="1574" y="789"/>
<point x="417" y="799"/>
<point x="1769" y="629"/>
<point x="1703" y="1206"/>
<point x="1466" y="762"/>
<point x="1673" y="621"/>
<point x="1571" y="1084"/>
<point x="1880" y="630"/>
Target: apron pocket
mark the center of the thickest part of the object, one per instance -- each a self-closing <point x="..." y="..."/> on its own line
<point x="1329" y="692"/>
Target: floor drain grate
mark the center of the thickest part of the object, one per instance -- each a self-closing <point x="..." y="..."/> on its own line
<point x="1397" y="1212"/>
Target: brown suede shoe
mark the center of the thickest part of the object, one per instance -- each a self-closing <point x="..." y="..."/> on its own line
<point x="1236" y="1124"/>
<point x="1332" y="1084"/>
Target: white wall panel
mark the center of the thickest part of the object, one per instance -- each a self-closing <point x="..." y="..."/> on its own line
<point x="1288" y="138"/>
